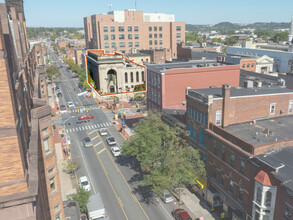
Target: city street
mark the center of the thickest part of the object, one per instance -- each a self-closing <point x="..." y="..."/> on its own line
<point x="117" y="179"/>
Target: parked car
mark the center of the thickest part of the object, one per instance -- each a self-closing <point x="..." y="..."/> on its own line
<point x="84" y="183"/>
<point x="116" y="151"/>
<point x="85" y="117"/>
<point x="70" y="105"/>
<point x="111" y="140"/>
<point x="59" y="94"/>
<point x="181" y="214"/>
<point x="62" y="107"/>
<point x="88" y="95"/>
<point x="103" y="131"/>
<point x="166" y="196"/>
<point x="87" y="142"/>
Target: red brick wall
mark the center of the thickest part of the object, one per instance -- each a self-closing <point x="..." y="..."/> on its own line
<point x="251" y="62"/>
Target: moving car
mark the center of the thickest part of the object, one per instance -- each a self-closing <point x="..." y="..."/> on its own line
<point x="181" y="214"/>
<point x="59" y="94"/>
<point x="84" y="183"/>
<point x="62" y="107"/>
<point x="84" y="117"/>
<point x="111" y="140"/>
<point x="70" y="105"/>
<point x="103" y="131"/>
<point x="88" y="95"/>
<point x="166" y="196"/>
<point x="116" y="151"/>
<point x="87" y="142"/>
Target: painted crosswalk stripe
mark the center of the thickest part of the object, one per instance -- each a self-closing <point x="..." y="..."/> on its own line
<point x="66" y="130"/>
<point x="92" y="126"/>
<point x="69" y="129"/>
<point x="108" y="124"/>
<point x="95" y="126"/>
<point x="86" y="128"/>
<point x="98" y="125"/>
<point x="82" y="128"/>
<point x="104" y="125"/>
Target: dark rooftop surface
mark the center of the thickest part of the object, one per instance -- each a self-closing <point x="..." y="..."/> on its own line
<point x="71" y="209"/>
<point x="264" y="131"/>
<point x="137" y="55"/>
<point x="263" y="78"/>
<point x="241" y="91"/>
<point x="281" y="159"/>
<point x="184" y="65"/>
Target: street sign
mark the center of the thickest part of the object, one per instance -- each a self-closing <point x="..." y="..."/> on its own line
<point x="68" y="140"/>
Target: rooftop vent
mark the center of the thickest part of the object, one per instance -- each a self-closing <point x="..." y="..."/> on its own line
<point x="248" y="84"/>
<point x="258" y="84"/>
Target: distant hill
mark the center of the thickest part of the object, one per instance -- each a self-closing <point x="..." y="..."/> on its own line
<point x="225" y="27"/>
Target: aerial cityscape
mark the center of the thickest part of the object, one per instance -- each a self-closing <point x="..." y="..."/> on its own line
<point x="146" y="110"/>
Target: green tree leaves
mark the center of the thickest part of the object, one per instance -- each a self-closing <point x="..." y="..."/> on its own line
<point x="164" y="155"/>
<point x="52" y="72"/>
<point x="82" y="197"/>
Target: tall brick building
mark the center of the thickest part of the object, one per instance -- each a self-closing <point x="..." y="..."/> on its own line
<point x="124" y="30"/>
<point x="234" y="128"/>
<point x="29" y="182"/>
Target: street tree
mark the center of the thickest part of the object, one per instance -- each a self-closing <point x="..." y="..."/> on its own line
<point x="82" y="197"/>
<point x="52" y="72"/>
<point x="164" y="154"/>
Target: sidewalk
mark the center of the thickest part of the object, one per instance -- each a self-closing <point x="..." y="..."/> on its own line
<point x="195" y="206"/>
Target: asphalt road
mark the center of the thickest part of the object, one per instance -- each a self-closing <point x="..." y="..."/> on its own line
<point x="117" y="179"/>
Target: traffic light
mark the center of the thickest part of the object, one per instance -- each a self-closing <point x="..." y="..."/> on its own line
<point x="87" y="109"/>
<point x="69" y="111"/>
<point x="78" y="110"/>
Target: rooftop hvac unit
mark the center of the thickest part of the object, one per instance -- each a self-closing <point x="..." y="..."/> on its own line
<point x="248" y="84"/>
<point x="258" y="84"/>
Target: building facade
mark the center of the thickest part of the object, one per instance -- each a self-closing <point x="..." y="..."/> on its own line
<point x="122" y="31"/>
<point x="29" y="183"/>
<point x="166" y="83"/>
<point x="114" y="74"/>
<point x="232" y="126"/>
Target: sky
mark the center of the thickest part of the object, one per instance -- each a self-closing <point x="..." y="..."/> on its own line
<point x="70" y="13"/>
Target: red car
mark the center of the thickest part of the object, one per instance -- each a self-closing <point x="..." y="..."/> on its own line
<point x="84" y="117"/>
<point x="88" y="95"/>
<point x="63" y="107"/>
<point x="181" y="214"/>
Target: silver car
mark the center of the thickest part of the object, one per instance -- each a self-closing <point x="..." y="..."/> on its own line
<point x="166" y="196"/>
<point x="87" y="142"/>
<point x="111" y="140"/>
<point x="103" y="131"/>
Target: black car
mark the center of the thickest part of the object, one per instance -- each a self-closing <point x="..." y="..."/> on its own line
<point x="59" y="94"/>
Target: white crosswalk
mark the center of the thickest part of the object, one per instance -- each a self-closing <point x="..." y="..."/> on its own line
<point x="81" y="110"/>
<point x="88" y="127"/>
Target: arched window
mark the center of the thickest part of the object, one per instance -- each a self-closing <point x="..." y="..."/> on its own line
<point x="137" y="77"/>
<point x="268" y="198"/>
<point x="142" y="76"/>
<point x="131" y="77"/>
<point x="258" y="195"/>
<point x="126" y="77"/>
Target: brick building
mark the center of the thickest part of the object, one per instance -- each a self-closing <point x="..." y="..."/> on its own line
<point x="123" y="30"/>
<point x="70" y="53"/>
<point x="232" y="126"/>
<point x="159" y="56"/>
<point x="167" y="82"/>
<point x="79" y="56"/>
<point x="29" y="182"/>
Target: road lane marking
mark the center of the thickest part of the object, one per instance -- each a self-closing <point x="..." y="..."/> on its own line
<point x="91" y="132"/>
<point x="95" y="127"/>
<point x="82" y="128"/>
<point x="92" y="126"/>
<point x="94" y="137"/>
<point x="101" y="150"/>
<point x="98" y="125"/>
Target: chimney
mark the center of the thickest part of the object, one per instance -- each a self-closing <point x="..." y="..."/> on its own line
<point x="226" y="89"/>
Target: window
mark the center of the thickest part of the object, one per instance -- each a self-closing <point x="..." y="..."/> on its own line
<point x="129" y="36"/>
<point x="45" y="131"/>
<point x="178" y="28"/>
<point x="218" y="117"/>
<point x="155" y="28"/>
<point x="137" y="76"/>
<point x="268" y="198"/>
<point x="129" y="28"/>
<point x="252" y="65"/>
<point x="113" y="44"/>
<point x="106" y="37"/>
<point x="288" y="211"/>
<point x="161" y="42"/>
<point x="105" y="29"/>
<point x="150" y="28"/>
<point x="112" y="36"/>
<point x="178" y="35"/>
<point x="222" y="177"/>
<point x="155" y="35"/>
<point x="272" y="108"/>
<point x="160" y="35"/>
<point x="160" y="28"/>
<point x="230" y="186"/>
<point x="136" y="43"/>
<point x="51" y="171"/>
<point x="258" y="195"/>
<point x="142" y="76"/>
<point x="290" y="109"/>
<point x="214" y="171"/>
<point x="106" y="45"/>
<point x="155" y="42"/>
<point x="202" y="138"/>
<point x="192" y="132"/>
<point x="122" y="44"/>
<point x="121" y="36"/>
<point x="52" y="183"/>
<point x="242" y="166"/>
<point x="57" y="217"/>
<point x="232" y="160"/>
<point x="223" y="156"/>
<point x="159" y="81"/>
<point x="243" y="66"/>
<point x="121" y="28"/>
<point x="178" y="42"/>
<point x="131" y="77"/>
<point x="112" y="29"/>
<point x="248" y="65"/>
<point x="240" y="192"/>
<point x="135" y="28"/>
<point x="46" y="145"/>
<point x="126" y="77"/>
<point x="136" y="36"/>
<point x="159" y="98"/>
<point x="215" y="148"/>
<point x="150" y="35"/>
<point x="130" y="44"/>
<point x="150" y="42"/>
<point x="155" y="80"/>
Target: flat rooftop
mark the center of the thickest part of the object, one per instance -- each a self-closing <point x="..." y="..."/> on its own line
<point x="240" y="91"/>
<point x="281" y="160"/>
<point x="264" y="131"/>
<point x="184" y="65"/>
<point x="137" y="55"/>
